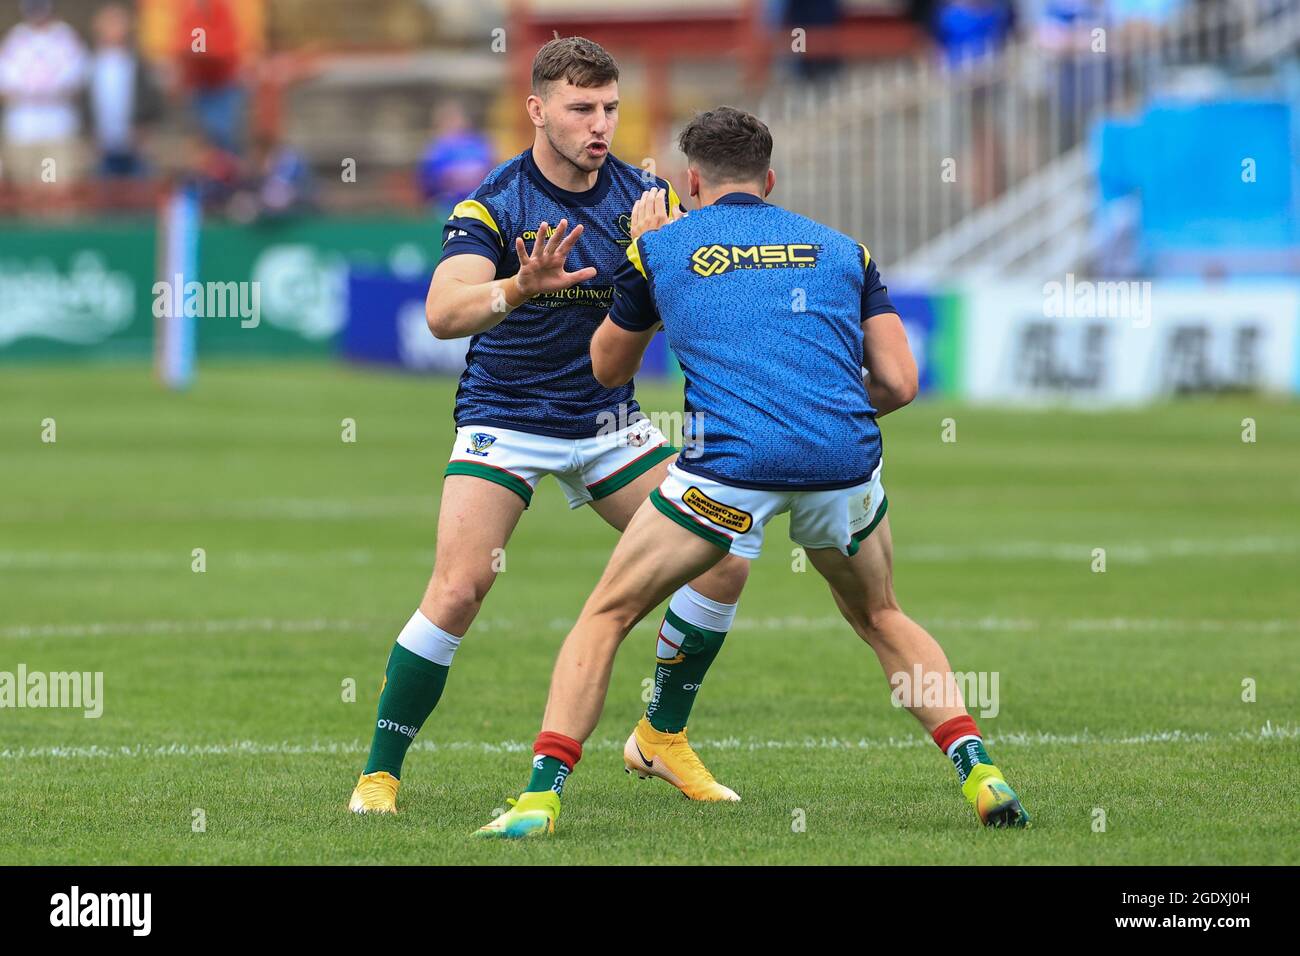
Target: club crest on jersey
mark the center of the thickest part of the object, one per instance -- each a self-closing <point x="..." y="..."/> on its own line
<point x="639" y="433"/>
<point x="723" y="515"/>
<point x="479" y="443"/>
<point x="716" y="259"/>
<point x="625" y="227"/>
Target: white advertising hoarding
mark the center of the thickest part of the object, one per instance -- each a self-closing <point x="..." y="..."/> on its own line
<point x="1128" y="342"/>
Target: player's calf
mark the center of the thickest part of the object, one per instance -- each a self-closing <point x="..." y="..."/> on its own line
<point x="475" y="518"/>
<point x="862" y="586"/>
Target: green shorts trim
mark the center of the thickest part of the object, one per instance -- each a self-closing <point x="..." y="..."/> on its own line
<point x="506" y="479"/>
<point x="667" y="508"/>
<point x="856" y="541"/>
<point x="630" y="472"/>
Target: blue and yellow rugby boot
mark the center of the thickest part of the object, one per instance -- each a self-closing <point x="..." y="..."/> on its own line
<point x="533" y="814"/>
<point x="994" y="801"/>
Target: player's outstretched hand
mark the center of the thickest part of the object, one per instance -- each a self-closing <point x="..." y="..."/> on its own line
<point x="648" y="213"/>
<point x="543" y="270"/>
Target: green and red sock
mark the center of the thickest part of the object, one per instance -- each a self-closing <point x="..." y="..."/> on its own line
<point x="554" y="757"/>
<point x="690" y="637"/>
<point x="961" y="742"/>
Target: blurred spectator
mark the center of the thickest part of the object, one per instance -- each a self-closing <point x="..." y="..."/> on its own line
<point x="1065" y="33"/>
<point x="457" y="159"/>
<point x="968" y="33"/>
<point x="282" y="183"/>
<point x="921" y="13"/>
<point x="209" y="61"/>
<point x="213" y="170"/>
<point x="123" y="95"/>
<point x="42" y="68"/>
<point x="813" y="14"/>
<point x="970" y="29"/>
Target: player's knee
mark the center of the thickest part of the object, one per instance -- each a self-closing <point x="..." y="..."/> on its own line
<point x="455" y="598"/>
<point x="726" y="579"/>
<point x="878" y="625"/>
<point x="612" y="615"/>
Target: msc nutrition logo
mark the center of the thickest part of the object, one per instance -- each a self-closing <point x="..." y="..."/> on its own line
<point x="716" y="259"/>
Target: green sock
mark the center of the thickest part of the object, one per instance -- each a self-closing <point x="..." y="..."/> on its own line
<point x="683" y="657"/>
<point x="967" y="755"/>
<point x="549" y="773"/>
<point x="412" y="686"/>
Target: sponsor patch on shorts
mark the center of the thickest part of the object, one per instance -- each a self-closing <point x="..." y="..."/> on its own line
<point x="722" y="515"/>
<point x="868" y="512"/>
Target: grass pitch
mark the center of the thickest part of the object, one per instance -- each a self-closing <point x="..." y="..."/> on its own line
<point x="227" y="737"/>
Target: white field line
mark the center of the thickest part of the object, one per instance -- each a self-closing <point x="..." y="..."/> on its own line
<point x="249" y="748"/>
<point x="249" y="560"/>
<point x="181" y="558"/>
<point x="284" y="509"/>
<point x="778" y="624"/>
<point x="245" y="625"/>
<point x="1130" y="553"/>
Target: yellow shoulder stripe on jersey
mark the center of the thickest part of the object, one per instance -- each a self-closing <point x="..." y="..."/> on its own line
<point x="866" y="256"/>
<point x="634" y="256"/>
<point x="473" y="209"/>
<point x="674" y="201"/>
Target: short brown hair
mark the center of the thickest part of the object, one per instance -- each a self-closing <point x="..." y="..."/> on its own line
<point x="580" y="61"/>
<point x="728" y="145"/>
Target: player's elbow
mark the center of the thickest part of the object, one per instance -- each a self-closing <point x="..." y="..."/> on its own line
<point x="610" y="367"/>
<point x="894" y="389"/>
<point x="439" y="320"/>
<point x="901" y="379"/>
<point x="907" y="389"/>
<point x="608" y="373"/>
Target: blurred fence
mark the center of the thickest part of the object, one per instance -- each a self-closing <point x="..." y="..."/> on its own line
<point x="979" y="163"/>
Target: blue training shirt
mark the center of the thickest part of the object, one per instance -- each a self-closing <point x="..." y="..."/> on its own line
<point x="764" y="310"/>
<point x="532" y="372"/>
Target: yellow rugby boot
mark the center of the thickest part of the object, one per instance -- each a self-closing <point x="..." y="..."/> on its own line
<point x="994" y="801"/>
<point x="533" y="814"/>
<point x="651" y="753"/>
<point x="375" y="793"/>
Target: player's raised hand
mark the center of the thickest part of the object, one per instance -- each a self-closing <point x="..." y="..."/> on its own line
<point x="649" y="213"/>
<point x="543" y="270"/>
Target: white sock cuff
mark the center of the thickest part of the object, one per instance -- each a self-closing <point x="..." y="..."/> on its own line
<point x="952" y="747"/>
<point x="694" y="608"/>
<point x="421" y="636"/>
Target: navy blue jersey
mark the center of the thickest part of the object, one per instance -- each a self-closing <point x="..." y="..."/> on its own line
<point x="532" y="372"/>
<point x="764" y="310"/>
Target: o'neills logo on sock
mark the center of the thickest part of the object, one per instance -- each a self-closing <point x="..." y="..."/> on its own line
<point x="75" y="908"/>
<point x="397" y="728"/>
